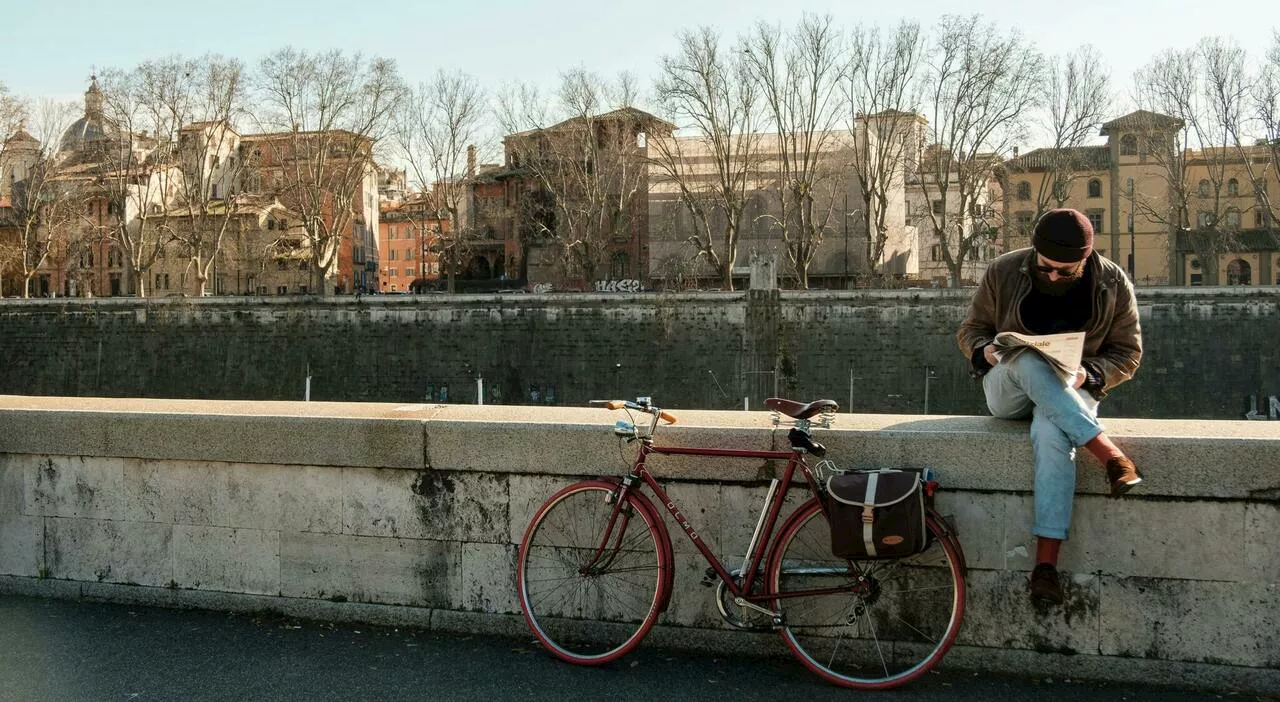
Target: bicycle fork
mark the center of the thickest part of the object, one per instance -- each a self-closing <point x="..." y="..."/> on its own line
<point x="621" y="508"/>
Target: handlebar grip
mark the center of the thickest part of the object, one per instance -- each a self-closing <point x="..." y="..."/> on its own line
<point x="667" y="417"/>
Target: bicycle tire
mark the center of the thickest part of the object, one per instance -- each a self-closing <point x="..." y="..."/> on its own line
<point x="882" y="632"/>
<point x="592" y="618"/>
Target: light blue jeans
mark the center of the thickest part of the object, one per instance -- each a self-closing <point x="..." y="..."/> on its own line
<point x="1061" y="420"/>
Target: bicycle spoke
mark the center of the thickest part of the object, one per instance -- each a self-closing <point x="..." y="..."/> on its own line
<point x="864" y="624"/>
<point x="590" y="575"/>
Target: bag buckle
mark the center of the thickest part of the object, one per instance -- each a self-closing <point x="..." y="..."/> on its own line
<point x="867" y="514"/>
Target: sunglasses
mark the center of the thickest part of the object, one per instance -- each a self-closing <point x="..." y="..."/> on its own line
<point x="1067" y="272"/>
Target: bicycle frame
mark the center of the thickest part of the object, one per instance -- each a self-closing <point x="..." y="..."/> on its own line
<point x="771" y="510"/>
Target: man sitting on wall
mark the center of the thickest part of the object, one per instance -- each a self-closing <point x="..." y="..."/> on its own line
<point x="1057" y="285"/>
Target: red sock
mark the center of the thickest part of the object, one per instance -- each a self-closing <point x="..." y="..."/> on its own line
<point x="1102" y="449"/>
<point x="1047" y="550"/>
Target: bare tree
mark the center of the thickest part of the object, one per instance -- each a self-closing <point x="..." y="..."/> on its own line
<point x="1077" y="100"/>
<point x="1203" y="90"/>
<point x="434" y="128"/>
<point x="329" y="111"/>
<point x="12" y="113"/>
<point x="882" y="92"/>
<point x="980" y="87"/>
<point x="709" y="92"/>
<point x="206" y="97"/>
<point x="1265" y="103"/>
<point x="798" y="74"/>
<point x="136" y="169"/>
<point x="591" y="168"/>
<point x="46" y="209"/>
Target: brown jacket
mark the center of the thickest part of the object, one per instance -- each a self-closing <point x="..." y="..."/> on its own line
<point x="1113" y="339"/>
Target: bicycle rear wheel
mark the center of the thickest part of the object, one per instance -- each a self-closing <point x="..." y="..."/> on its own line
<point x="591" y="578"/>
<point x="872" y="624"/>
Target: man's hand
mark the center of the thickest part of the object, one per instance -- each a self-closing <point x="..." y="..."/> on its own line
<point x="1081" y="376"/>
<point x="989" y="353"/>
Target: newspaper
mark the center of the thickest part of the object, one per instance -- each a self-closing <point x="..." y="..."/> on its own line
<point x="1062" y="351"/>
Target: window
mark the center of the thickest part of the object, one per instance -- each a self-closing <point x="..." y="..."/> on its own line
<point x="408" y="254"/>
<point x="1023" y="220"/>
<point x="1239" y="272"/>
<point x="935" y="253"/>
<point x="281" y="264"/>
<point x="1203" y="188"/>
<point x="1261" y="219"/>
<point x="214" y="190"/>
<point x="1095" y="187"/>
<point x="392" y="254"/>
<point x="1233" y="187"/>
<point x="938" y="207"/>
<point x="391" y="232"/>
<point x="157" y="285"/>
<point x="271" y="224"/>
<point x="1128" y="145"/>
<point x="166" y="281"/>
<point x="302" y="265"/>
<point x="1024" y="190"/>
<point x="282" y="290"/>
<point x="1204" y="220"/>
<point x="1233" y="218"/>
<point x="621" y="268"/>
<point x="1095" y="218"/>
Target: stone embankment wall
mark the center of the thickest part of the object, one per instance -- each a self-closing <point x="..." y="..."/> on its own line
<point x="412" y="514"/>
<point x="1212" y="353"/>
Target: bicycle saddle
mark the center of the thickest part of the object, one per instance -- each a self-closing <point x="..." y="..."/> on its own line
<point x="800" y="410"/>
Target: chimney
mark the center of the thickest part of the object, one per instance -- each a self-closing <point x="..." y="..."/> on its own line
<point x="471" y="160"/>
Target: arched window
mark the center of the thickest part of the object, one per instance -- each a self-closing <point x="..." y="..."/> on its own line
<point x="1024" y="190"/>
<point x="1204" y="188"/>
<point x="1239" y="272"/>
<point x="621" y="268"/>
<point x="1128" y="145"/>
<point x="1095" y="187"/>
<point x="1233" y="187"/>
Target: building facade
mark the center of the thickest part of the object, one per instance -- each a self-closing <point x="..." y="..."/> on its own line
<point x="1167" y="214"/>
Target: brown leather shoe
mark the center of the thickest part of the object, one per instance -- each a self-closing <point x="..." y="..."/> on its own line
<point x="1045" y="585"/>
<point x="1122" y="475"/>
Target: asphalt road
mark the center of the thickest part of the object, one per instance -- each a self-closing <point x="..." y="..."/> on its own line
<point x="70" y="651"/>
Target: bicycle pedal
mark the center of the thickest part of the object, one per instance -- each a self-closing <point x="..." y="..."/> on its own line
<point x="709" y="578"/>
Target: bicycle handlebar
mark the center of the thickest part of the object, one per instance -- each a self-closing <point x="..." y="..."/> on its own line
<point x="626" y="404"/>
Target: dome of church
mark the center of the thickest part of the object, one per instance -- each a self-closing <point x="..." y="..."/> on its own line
<point x="84" y="131"/>
<point x="92" y="127"/>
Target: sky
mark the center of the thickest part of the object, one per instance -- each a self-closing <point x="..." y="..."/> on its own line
<point x="50" y="49"/>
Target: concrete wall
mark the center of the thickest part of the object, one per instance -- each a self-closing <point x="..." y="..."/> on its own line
<point x="411" y="514"/>
<point x="1208" y="350"/>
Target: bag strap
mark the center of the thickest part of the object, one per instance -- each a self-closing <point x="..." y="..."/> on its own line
<point x="868" y="514"/>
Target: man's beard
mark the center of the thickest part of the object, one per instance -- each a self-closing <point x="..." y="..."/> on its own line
<point x="1054" y="288"/>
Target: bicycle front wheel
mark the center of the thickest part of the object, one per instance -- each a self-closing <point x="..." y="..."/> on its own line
<point x="591" y="577"/>
<point x="872" y="624"/>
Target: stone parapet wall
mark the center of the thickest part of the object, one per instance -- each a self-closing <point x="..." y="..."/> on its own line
<point x="1208" y="350"/>
<point x="412" y="514"/>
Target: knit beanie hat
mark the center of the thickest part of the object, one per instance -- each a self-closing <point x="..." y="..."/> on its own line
<point x="1063" y="235"/>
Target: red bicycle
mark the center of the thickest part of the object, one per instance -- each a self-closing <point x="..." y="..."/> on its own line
<point x="596" y="567"/>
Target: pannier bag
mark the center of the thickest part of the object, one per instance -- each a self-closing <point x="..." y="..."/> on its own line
<point x="877" y="514"/>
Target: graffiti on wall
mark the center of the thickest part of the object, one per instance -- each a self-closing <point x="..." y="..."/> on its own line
<point x="622" y="286"/>
<point x="1272" y="410"/>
